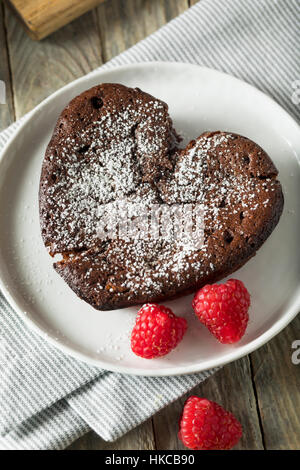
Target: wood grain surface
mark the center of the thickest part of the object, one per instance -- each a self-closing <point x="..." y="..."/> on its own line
<point x="261" y="389"/>
<point x="7" y="113"/>
<point x="42" y="17"/>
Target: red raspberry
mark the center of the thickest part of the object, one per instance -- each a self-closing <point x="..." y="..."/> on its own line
<point x="156" y="331"/>
<point x="223" y="309"/>
<point x="205" y="425"/>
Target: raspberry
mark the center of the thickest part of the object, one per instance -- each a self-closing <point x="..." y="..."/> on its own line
<point x="156" y="331"/>
<point x="223" y="309"/>
<point x="205" y="425"/>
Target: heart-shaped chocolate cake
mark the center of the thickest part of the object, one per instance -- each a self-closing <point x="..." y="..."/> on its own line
<point x="135" y="218"/>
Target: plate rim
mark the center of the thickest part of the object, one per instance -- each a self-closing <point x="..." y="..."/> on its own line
<point x="231" y="356"/>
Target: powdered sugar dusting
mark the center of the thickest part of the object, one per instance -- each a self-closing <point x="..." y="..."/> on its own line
<point x="116" y="155"/>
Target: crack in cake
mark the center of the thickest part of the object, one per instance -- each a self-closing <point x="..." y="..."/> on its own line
<point x="116" y="144"/>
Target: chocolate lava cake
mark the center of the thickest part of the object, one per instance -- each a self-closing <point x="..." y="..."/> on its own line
<point x="114" y="144"/>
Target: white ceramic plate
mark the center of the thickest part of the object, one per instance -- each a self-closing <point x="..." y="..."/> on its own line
<point x="200" y="99"/>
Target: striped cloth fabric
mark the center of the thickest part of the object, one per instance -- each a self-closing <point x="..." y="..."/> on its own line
<point x="48" y="399"/>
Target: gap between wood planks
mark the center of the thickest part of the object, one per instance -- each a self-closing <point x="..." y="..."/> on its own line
<point x="6" y="75"/>
<point x="256" y="402"/>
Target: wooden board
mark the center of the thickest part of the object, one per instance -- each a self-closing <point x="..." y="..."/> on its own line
<point x="43" y="17"/>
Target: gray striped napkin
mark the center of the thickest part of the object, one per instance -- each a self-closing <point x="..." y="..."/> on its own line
<point x="48" y="399"/>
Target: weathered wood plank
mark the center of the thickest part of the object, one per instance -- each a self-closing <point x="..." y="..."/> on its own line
<point x="140" y="438"/>
<point x="125" y="22"/>
<point x="277" y="382"/>
<point x="232" y="388"/>
<point x="6" y="110"/>
<point x="40" y="68"/>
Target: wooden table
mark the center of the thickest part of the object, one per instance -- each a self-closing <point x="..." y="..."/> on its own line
<point x="263" y="389"/>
